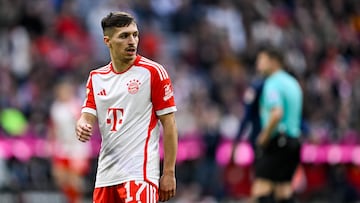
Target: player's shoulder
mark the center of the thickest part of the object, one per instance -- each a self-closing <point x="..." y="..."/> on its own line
<point x="102" y="70"/>
<point x="153" y="67"/>
<point x="148" y="63"/>
<point x="144" y="60"/>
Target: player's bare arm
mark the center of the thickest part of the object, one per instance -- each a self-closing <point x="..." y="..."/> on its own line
<point x="275" y="117"/>
<point x="84" y="126"/>
<point x="167" y="188"/>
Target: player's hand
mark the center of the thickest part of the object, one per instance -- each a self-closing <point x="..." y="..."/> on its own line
<point x="167" y="188"/>
<point x="83" y="131"/>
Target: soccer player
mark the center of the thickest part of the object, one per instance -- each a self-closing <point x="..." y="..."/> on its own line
<point x="279" y="148"/>
<point x="71" y="157"/>
<point x="127" y="98"/>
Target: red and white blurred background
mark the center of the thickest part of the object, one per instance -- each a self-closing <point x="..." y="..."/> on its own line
<point x="208" y="47"/>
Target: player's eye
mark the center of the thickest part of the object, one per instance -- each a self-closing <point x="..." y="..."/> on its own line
<point x="136" y="34"/>
<point x="124" y="35"/>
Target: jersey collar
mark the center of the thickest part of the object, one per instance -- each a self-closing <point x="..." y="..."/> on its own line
<point x="138" y="57"/>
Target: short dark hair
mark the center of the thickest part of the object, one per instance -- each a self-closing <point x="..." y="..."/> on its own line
<point x="273" y="53"/>
<point x="116" y="19"/>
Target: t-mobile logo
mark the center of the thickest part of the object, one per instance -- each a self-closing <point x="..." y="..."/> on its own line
<point x="114" y="117"/>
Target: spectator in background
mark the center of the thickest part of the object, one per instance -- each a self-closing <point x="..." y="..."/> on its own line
<point x="71" y="157"/>
<point x="251" y="117"/>
<point x="229" y="20"/>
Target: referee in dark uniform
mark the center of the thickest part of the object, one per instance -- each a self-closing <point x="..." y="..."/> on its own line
<point x="278" y="146"/>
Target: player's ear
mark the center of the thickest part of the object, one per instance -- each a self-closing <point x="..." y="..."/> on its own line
<point x="107" y="40"/>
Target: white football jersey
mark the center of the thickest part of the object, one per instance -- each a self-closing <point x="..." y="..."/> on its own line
<point x="64" y="115"/>
<point x="127" y="105"/>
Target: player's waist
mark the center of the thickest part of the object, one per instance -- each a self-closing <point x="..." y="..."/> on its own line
<point x="119" y="180"/>
<point x="286" y="134"/>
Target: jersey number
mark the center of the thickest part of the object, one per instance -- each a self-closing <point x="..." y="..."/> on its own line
<point x="140" y="192"/>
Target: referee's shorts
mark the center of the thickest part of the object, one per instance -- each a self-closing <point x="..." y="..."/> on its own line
<point x="278" y="160"/>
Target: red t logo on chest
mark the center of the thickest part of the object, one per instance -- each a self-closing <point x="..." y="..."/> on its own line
<point x="114" y="117"/>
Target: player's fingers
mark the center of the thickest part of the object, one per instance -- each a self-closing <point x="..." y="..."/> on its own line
<point x="77" y="132"/>
<point x="80" y="138"/>
<point x="161" y="196"/>
<point x="83" y="138"/>
<point x="172" y="193"/>
<point x="86" y="128"/>
<point x="78" y="128"/>
<point x="83" y="131"/>
<point x="164" y="196"/>
<point x="80" y="132"/>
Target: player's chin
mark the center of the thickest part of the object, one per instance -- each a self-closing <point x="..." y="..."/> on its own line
<point x="130" y="57"/>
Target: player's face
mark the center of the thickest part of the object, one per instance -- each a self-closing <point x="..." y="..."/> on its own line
<point x="123" y="42"/>
<point x="263" y="64"/>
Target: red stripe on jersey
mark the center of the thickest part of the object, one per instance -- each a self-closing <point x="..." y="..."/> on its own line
<point x="159" y="68"/>
<point x="158" y="86"/>
<point x="152" y="125"/>
<point x="103" y="70"/>
<point x="89" y="100"/>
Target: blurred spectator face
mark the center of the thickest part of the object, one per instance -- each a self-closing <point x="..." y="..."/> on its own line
<point x="64" y="92"/>
<point x="123" y="42"/>
<point x="263" y="64"/>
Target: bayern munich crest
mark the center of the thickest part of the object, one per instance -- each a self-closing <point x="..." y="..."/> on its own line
<point x="133" y="86"/>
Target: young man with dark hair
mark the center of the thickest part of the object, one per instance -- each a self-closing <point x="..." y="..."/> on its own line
<point x="127" y="98"/>
<point x="278" y="146"/>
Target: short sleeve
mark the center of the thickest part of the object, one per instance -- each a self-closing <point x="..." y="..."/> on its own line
<point x="162" y="93"/>
<point x="89" y="105"/>
<point x="272" y="96"/>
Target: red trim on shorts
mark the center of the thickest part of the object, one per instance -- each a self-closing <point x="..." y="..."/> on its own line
<point x="152" y="125"/>
<point x="153" y="184"/>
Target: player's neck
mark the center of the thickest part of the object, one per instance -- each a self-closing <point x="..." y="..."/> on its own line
<point x="274" y="70"/>
<point x="121" y="65"/>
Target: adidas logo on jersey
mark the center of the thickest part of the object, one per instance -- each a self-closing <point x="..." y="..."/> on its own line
<point x="102" y="93"/>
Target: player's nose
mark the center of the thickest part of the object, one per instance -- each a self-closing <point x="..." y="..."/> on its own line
<point x="131" y="39"/>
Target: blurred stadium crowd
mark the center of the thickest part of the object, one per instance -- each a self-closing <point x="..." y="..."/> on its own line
<point x="209" y="48"/>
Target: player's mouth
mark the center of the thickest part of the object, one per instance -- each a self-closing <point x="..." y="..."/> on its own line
<point x="130" y="50"/>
